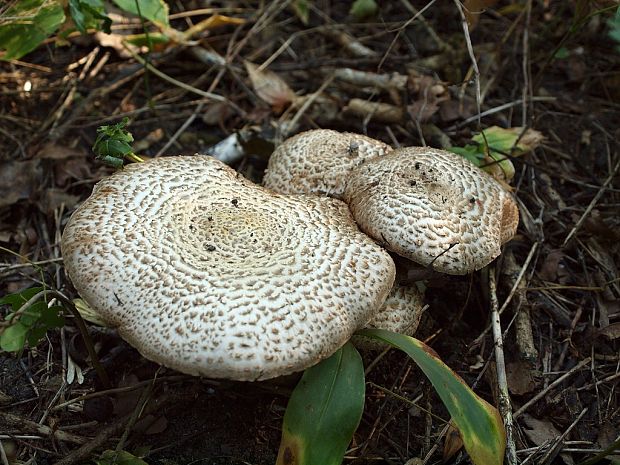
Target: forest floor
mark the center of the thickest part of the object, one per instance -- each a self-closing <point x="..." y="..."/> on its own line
<point x="403" y="75"/>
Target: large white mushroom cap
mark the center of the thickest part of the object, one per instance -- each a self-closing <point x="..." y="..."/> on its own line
<point x="319" y="161"/>
<point x="433" y="207"/>
<point x="209" y="274"/>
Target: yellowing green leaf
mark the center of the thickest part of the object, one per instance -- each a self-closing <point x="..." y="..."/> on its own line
<point x="478" y="422"/>
<point x="324" y="411"/>
<point x="29" y="23"/>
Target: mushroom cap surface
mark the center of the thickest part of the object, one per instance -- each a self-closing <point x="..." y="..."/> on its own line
<point x="319" y="161"/>
<point x="400" y="313"/>
<point x="433" y="207"/>
<point x="207" y="273"/>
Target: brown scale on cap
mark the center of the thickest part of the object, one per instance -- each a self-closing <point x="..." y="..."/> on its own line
<point x="319" y="161"/>
<point x="209" y="274"/>
<point x="433" y="207"/>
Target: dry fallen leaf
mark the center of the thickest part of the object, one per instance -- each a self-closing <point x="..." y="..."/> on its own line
<point x="270" y="87"/>
<point x="19" y="180"/>
<point x="474" y="8"/>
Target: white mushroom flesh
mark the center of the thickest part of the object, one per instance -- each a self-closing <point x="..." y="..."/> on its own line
<point x="433" y="207"/>
<point x="209" y="274"/>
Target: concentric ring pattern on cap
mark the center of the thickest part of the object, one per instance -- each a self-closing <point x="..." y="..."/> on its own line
<point x="205" y="272"/>
<point x="433" y="207"/>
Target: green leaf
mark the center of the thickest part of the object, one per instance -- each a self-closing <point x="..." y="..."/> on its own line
<point x="31" y="315"/>
<point x="121" y="457"/>
<point x="35" y="335"/>
<point x="113" y="143"/>
<point x="361" y="9"/>
<point x="478" y="422"/>
<point x="17" y="299"/>
<point x="324" y="411"/>
<point x="153" y="10"/>
<point x="469" y="152"/>
<point x="28" y="24"/>
<point x="13" y="338"/>
<point x="89" y="14"/>
<point x="53" y="317"/>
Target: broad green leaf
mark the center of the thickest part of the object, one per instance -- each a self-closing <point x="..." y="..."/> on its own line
<point x="35" y="335"/>
<point x="13" y="338"/>
<point x="469" y="152"/>
<point x="32" y="314"/>
<point x="153" y="10"/>
<point x="53" y="317"/>
<point x="478" y="422"/>
<point x="111" y="457"/>
<point x="324" y="411"/>
<point x="89" y="14"/>
<point x="17" y="299"/>
<point x="28" y="23"/>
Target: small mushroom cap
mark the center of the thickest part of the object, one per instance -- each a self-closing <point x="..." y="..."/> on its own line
<point x="433" y="207"/>
<point x="401" y="313"/>
<point x="209" y="274"/>
<point x="319" y="161"/>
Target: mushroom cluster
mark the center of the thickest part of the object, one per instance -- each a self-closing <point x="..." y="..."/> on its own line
<point x="207" y="273"/>
<point x="431" y="206"/>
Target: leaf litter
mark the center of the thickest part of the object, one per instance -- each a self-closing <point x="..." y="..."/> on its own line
<point x="401" y="75"/>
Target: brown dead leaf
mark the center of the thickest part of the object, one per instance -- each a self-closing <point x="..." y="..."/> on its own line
<point x="550" y="269"/>
<point x="539" y="431"/>
<point x="54" y="198"/>
<point x="474" y="8"/>
<point x="521" y="378"/>
<point x="611" y="332"/>
<point x="52" y="151"/>
<point x="452" y="444"/>
<point x="270" y="87"/>
<point x="19" y="180"/>
<point x="430" y="92"/>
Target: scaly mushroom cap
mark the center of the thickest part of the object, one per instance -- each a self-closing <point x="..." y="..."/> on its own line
<point x="209" y="274"/>
<point x="433" y="207"/>
<point x="401" y="313"/>
<point x="319" y="161"/>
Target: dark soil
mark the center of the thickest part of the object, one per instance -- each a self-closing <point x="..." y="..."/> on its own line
<point x="566" y="251"/>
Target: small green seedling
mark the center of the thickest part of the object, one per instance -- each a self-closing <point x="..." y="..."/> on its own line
<point x="28" y="324"/>
<point x="113" y="144"/>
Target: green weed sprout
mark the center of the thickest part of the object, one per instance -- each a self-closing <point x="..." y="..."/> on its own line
<point x="113" y="144"/>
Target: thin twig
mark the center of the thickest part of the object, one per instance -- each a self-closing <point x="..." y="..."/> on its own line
<point x="505" y="406"/>
<point x="544" y="392"/>
<point x="592" y="204"/>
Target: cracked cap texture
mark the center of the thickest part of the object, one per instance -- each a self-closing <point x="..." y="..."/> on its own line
<point x="319" y="161"/>
<point x="205" y="272"/>
<point x="433" y="207"/>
